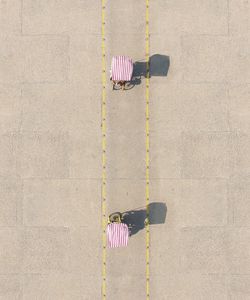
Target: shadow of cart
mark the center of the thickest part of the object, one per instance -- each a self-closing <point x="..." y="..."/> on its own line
<point x="136" y="219"/>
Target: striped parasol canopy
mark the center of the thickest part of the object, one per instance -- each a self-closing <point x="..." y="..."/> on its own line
<point x="117" y="235"/>
<point x="121" y="68"/>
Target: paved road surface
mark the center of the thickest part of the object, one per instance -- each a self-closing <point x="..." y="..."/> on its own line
<point x="50" y="161"/>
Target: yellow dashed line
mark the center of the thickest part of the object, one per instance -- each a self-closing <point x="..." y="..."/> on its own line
<point x="147" y="150"/>
<point x="104" y="218"/>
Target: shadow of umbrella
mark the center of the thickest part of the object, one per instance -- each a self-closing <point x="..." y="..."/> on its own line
<point x="159" y="65"/>
<point x="157" y="213"/>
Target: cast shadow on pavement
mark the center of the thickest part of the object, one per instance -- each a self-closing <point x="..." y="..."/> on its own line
<point x="135" y="219"/>
<point x="158" y="66"/>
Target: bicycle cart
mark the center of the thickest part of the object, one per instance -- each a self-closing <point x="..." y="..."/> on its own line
<point x="117" y="231"/>
<point x="121" y="70"/>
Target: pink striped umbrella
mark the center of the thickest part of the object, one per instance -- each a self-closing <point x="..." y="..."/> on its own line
<point x="117" y="235"/>
<point x="121" y="68"/>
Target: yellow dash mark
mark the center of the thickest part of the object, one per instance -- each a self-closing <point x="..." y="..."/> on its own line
<point x="147" y="152"/>
<point x="103" y="122"/>
<point x="103" y="143"/>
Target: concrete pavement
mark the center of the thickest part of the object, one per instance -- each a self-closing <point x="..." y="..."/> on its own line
<point x="50" y="161"/>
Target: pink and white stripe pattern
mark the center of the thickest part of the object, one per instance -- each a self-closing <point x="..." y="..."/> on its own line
<point x="117" y="235"/>
<point x="121" y="68"/>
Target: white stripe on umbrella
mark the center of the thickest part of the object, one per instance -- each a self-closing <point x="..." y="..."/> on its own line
<point x="121" y="68"/>
<point x="117" y="235"/>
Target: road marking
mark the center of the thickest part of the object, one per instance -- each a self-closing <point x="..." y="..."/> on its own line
<point x="103" y="188"/>
<point x="147" y="150"/>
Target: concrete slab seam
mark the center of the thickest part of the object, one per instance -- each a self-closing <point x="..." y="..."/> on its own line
<point x="21" y="17"/>
<point x="228" y="17"/>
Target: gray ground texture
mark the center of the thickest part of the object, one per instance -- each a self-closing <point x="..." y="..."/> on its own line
<point x="50" y="149"/>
